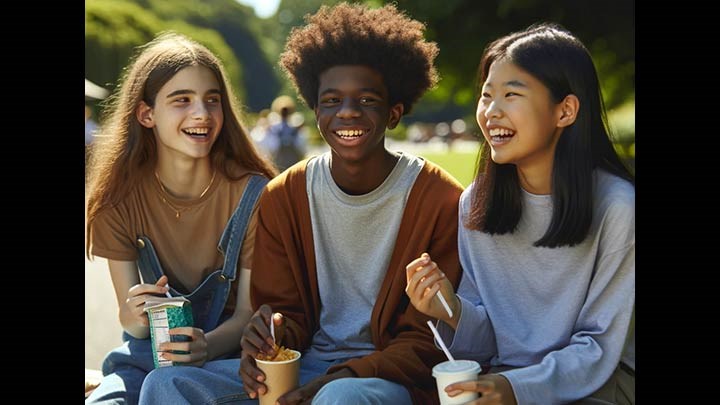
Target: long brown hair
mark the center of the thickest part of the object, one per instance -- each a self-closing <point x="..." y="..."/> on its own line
<point x="125" y="151"/>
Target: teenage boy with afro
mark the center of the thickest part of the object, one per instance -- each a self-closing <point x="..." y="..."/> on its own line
<point x="335" y="231"/>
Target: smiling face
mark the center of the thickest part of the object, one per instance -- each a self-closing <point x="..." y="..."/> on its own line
<point x="518" y="118"/>
<point x="187" y="116"/>
<point x="353" y="111"/>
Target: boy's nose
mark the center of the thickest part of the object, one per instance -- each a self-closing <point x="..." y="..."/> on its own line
<point x="348" y="109"/>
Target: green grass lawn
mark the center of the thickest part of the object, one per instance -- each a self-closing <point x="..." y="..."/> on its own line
<point x="460" y="164"/>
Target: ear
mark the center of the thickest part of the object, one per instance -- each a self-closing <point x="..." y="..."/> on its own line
<point x="396" y="113"/>
<point x="568" y="110"/>
<point x="144" y="115"/>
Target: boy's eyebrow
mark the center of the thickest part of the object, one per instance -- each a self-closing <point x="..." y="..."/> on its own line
<point x="188" y="91"/>
<point x="362" y="90"/>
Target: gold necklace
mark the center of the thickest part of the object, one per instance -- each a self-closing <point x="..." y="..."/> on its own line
<point x="169" y="204"/>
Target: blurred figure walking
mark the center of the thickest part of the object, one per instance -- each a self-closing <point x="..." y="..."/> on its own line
<point x="284" y="140"/>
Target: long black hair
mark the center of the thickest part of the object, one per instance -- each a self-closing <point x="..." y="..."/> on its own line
<point x="561" y="62"/>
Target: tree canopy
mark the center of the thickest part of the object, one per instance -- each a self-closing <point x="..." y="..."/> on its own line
<point x="250" y="46"/>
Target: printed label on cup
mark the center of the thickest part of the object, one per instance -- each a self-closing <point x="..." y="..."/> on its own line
<point x="165" y="314"/>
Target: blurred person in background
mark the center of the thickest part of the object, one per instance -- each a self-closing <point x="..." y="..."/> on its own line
<point x="284" y="139"/>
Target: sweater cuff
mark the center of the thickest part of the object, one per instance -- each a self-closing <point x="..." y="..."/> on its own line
<point x="467" y="324"/>
<point x="515" y="385"/>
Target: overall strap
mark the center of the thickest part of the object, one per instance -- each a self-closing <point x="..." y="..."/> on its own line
<point x="232" y="238"/>
<point x="148" y="262"/>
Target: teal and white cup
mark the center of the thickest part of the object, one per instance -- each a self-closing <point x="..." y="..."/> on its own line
<point x="449" y="372"/>
<point x="165" y="314"/>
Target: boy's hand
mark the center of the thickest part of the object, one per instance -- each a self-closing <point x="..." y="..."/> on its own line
<point x="256" y="338"/>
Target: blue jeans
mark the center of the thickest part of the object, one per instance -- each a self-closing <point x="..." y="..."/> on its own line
<point x="124" y="370"/>
<point x="218" y="382"/>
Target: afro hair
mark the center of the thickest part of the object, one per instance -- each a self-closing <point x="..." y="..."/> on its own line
<point x="384" y="39"/>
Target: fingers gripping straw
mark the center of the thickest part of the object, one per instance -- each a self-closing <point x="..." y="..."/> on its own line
<point x="165" y="314"/>
<point x="439" y="294"/>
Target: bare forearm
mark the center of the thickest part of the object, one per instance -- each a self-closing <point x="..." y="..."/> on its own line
<point x="137" y="331"/>
<point x="226" y="337"/>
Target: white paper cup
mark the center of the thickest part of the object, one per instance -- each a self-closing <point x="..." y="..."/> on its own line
<point x="449" y="372"/>
<point x="281" y="377"/>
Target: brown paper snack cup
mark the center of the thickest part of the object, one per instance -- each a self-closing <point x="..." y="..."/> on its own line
<point x="281" y="377"/>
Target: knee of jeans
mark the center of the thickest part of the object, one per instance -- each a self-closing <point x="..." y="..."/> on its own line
<point x="162" y="379"/>
<point x="340" y="391"/>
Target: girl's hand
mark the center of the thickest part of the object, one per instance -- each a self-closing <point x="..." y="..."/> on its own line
<point x="197" y="347"/>
<point x="495" y="390"/>
<point x="132" y="317"/>
<point x="424" y="280"/>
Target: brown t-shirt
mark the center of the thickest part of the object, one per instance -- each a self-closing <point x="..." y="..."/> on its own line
<point x="187" y="247"/>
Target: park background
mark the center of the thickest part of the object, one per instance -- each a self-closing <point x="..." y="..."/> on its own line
<point x="442" y="126"/>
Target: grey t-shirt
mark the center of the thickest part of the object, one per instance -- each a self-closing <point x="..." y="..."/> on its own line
<point x="354" y="237"/>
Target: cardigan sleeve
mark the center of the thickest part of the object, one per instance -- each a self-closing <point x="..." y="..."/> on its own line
<point x="278" y="278"/>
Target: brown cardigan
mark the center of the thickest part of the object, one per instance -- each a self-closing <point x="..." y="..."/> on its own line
<point x="284" y="275"/>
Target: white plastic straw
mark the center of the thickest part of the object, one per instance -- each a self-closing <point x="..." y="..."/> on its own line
<point x="440" y="341"/>
<point x="272" y="327"/>
<point x="167" y="293"/>
<point x="444" y="303"/>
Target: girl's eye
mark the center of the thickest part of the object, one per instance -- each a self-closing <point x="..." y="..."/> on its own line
<point x="213" y="100"/>
<point x="510" y="94"/>
<point x="486" y="95"/>
<point x="182" y="100"/>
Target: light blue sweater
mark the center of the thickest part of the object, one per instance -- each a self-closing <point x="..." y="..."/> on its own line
<point x="560" y="315"/>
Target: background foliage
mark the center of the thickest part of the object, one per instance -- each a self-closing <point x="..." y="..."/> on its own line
<point x="249" y="46"/>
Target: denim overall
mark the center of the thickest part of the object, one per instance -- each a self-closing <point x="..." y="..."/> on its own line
<point x="125" y="367"/>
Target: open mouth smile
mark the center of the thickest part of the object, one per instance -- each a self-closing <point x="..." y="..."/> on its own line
<point x="197" y="133"/>
<point x="349" y="133"/>
<point x="500" y="136"/>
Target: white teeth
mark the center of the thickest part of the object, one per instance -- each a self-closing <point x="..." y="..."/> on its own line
<point x="196" y="131"/>
<point x="501" y="132"/>
<point x="349" y="133"/>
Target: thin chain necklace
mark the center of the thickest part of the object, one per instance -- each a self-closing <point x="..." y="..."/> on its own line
<point x="173" y="207"/>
